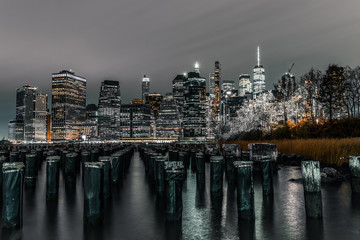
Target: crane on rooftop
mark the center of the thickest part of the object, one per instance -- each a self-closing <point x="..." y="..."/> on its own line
<point x="289" y="70"/>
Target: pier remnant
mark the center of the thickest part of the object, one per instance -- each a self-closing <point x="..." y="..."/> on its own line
<point x="245" y="189"/>
<point x="267" y="176"/>
<point x="52" y="177"/>
<point x="30" y="170"/>
<point x="354" y="165"/>
<point x="312" y="188"/>
<point x="12" y="208"/>
<point x="200" y="170"/>
<point x="93" y="192"/>
<point x="173" y="190"/>
<point x="216" y="176"/>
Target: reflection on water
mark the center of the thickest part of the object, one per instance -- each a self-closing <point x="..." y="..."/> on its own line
<point x="135" y="212"/>
<point x="314" y="229"/>
<point x="246" y="229"/>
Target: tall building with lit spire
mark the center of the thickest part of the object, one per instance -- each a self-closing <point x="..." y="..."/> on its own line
<point x="259" y="77"/>
<point x="145" y="87"/>
<point x="194" y="111"/>
<point x="197" y="68"/>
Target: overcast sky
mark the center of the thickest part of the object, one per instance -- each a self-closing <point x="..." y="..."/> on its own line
<point x="125" y="39"/>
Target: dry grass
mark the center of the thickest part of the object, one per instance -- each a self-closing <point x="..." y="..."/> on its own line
<point x="327" y="151"/>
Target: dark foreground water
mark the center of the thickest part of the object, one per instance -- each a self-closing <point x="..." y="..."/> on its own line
<point x="135" y="213"/>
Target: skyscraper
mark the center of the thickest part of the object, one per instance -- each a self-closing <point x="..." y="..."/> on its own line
<point x="145" y="87"/>
<point x="228" y="89"/>
<point x="11" y="130"/>
<point x="259" y="76"/>
<point x="245" y="86"/>
<point x="168" y="122"/>
<point x="68" y="105"/>
<point x="136" y="120"/>
<point x="21" y="94"/>
<point x="212" y="84"/>
<point x="194" y="114"/>
<point x="197" y="67"/>
<point x="40" y="117"/>
<point x="92" y="112"/>
<point x="216" y="101"/>
<point x="228" y="92"/>
<point x="90" y="128"/>
<point x="288" y="80"/>
<point x="231" y="106"/>
<point x="154" y="100"/>
<point x="227" y="85"/>
<point x="109" y="110"/>
<point x="178" y="90"/>
<point x="31" y="114"/>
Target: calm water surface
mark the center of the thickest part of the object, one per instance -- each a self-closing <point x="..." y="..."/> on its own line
<point x="135" y="213"/>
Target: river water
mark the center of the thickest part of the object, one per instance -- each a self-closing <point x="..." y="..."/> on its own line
<point x="135" y="213"/>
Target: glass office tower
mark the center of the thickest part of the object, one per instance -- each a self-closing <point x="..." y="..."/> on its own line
<point x="194" y="112"/>
<point x="68" y="105"/>
<point x="259" y="77"/>
<point x="31" y="114"/>
<point x="109" y="110"/>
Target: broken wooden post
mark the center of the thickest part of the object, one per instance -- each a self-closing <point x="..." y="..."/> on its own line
<point x="312" y="188"/>
<point x="216" y="176"/>
<point x="245" y="189"/>
<point x="354" y="165"/>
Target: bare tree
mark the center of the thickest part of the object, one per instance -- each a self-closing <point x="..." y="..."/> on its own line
<point x="310" y="82"/>
<point x="259" y="114"/>
<point x="332" y="91"/>
<point x="284" y="91"/>
<point x="352" y="91"/>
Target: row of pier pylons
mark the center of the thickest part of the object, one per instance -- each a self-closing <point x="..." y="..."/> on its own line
<point x="166" y="168"/>
<point x="101" y="166"/>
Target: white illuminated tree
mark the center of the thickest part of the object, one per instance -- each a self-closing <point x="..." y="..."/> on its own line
<point x="260" y="114"/>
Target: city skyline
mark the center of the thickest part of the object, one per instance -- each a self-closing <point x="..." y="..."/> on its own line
<point x="188" y="119"/>
<point x="108" y="48"/>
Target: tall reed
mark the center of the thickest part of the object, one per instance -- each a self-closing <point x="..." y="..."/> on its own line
<point x="327" y="151"/>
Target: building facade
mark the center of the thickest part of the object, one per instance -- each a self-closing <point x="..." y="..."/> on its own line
<point x="135" y="120"/>
<point x="40" y="116"/>
<point x="245" y="86"/>
<point x="227" y="85"/>
<point x="90" y="128"/>
<point x="178" y="90"/>
<point x="168" y="121"/>
<point x="21" y="97"/>
<point x="154" y="101"/>
<point x="109" y="110"/>
<point x="11" y="130"/>
<point x="216" y="102"/>
<point x="68" y="105"/>
<point x="31" y="114"/>
<point x="231" y="105"/>
<point x="194" y="112"/>
<point x="145" y="87"/>
<point x="259" y="77"/>
<point x="211" y="84"/>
